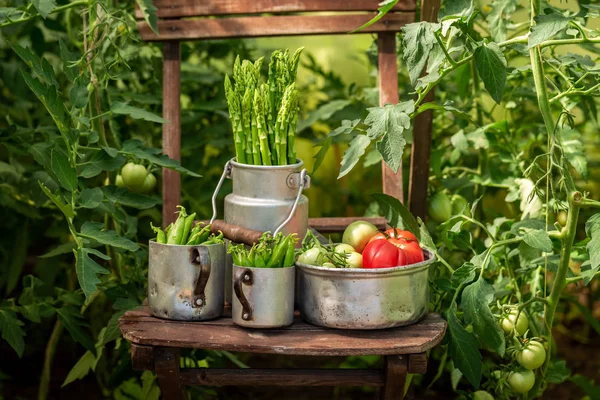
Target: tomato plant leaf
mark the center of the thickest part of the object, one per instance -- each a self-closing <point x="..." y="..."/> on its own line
<point x="456" y="8"/>
<point x="558" y="372"/>
<point x="320" y="156"/>
<point x="499" y="17"/>
<point x="384" y="7"/>
<point x="592" y="228"/>
<point x="418" y="41"/>
<point x="389" y="118"/>
<point x="357" y="148"/>
<point x="70" y="317"/>
<point x="397" y="214"/>
<point x="88" y="270"/>
<point x="323" y="113"/>
<point x="475" y="302"/>
<point x="78" y="95"/>
<point x="149" y="12"/>
<point x="40" y="66"/>
<point x="136" y="148"/>
<point x="48" y="96"/>
<point x="68" y="58"/>
<point x="587" y="386"/>
<point x="62" y="170"/>
<point x="391" y="148"/>
<point x="101" y="161"/>
<point x="67" y="209"/>
<point x="65" y="248"/>
<point x="44" y="7"/>
<point x="464" y="274"/>
<point x="424" y="236"/>
<point x="124" y="197"/>
<point x="545" y="27"/>
<point x="538" y="239"/>
<point x="10" y="326"/>
<point x="95" y="231"/>
<point x="491" y="66"/>
<point x="150" y="389"/>
<point x="16" y="261"/>
<point x="119" y="107"/>
<point x="91" y="198"/>
<point x="463" y="348"/>
<point x="86" y="363"/>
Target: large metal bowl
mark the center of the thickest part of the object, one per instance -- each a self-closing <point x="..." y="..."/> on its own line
<point x="356" y="298"/>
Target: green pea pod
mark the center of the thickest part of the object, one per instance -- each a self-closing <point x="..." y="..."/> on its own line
<point x="215" y="239"/>
<point x="278" y="255"/>
<point x="168" y="231"/>
<point x="252" y="256"/>
<point x="199" y="237"/>
<point x="259" y="261"/>
<point x="289" y="258"/>
<point x="177" y="231"/>
<point x="197" y="228"/>
<point x="189" y="221"/>
<point x="160" y="234"/>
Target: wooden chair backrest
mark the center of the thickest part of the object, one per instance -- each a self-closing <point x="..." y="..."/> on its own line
<point x="181" y="20"/>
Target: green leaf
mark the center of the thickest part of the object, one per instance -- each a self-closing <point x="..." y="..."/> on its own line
<point x="62" y="170"/>
<point x="31" y="312"/>
<point x="391" y="148"/>
<point x="124" y="197"/>
<point x="44" y="7"/>
<point x="538" y="239"/>
<point x="491" y="66"/>
<point x="323" y="113"/>
<point x="68" y="58"/>
<point x="60" y="249"/>
<point x="424" y="236"/>
<point x="545" y="27"/>
<point x="10" y="326"/>
<point x="464" y="274"/>
<point x="456" y="8"/>
<point x="499" y="17"/>
<point x="464" y="349"/>
<point x="150" y="391"/>
<point x="91" y="198"/>
<point x="475" y="302"/>
<point x="136" y="148"/>
<point x="587" y="385"/>
<point x="320" y="156"/>
<point x="40" y="66"/>
<point x="101" y="161"/>
<point x="67" y="209"/>
<point x="384" y="7"/>
<point x="149" y="12"/>
<point x="346" y="128"/>
<point x="18" y="256"/>
<point x="135" y="112"/>
<point x="446" y="107"/>
<point x="70" y="317"/>
<point x="86" y="363"/>
<point x="592" y="228"/>
<point x="88" y="270"/>
<point x="42" y="152"/>
<point x="95" y="230"/>
<point x="48" y="96"/>
<point x="357" y="148"/>
<point x="396" y="213"/>
<point x="418" y="41"/>
<point x="78" y="95"/>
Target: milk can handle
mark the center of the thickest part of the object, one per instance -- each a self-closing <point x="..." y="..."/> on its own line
<point x="303" y="180"/>
<point x="226" y="173"/>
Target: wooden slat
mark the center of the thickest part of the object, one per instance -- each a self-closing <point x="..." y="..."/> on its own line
<point x="282" y="377"/>
<point x="388" y="93"/>
<point x="171" y="184"/>
<point x="302" y="339"/>
<point x="395" y="378"/>
<point x="166" y="366"/>
<point x="417" y="363"/>
<point x="191" y="8"/>
<point x="142" y="357"/>
<point x="339" y="224"/>
<point x="286" y="25"/>
<point x="421" y="146"/>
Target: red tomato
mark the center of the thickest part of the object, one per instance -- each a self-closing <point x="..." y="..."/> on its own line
<point x="383" y="254"/>
<point x="412" y="250"/>
<point x="400" y="234"/>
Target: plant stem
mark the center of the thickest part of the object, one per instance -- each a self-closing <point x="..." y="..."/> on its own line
<point x="49" y="356"/>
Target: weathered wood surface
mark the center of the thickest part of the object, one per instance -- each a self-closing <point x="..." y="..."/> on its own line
<point x="284" y="25"/>
<point x="338" y="224"/>
<point x="171" y="180"/>
<point x="388" y="93"/>
<point x="417" y="363"/>
<point x="282" y="377"/>
<point x="192" y="8"/>
<point x="142" y="357"/>
<point x="421" y="145"/>
<point x="139" y="327"/>
<point x="395" y="377"/>
<point x="166" y="366"/>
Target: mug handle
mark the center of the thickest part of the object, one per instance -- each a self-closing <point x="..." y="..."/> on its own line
<point x="243" y="276"/>
<point x="201" y="259"/>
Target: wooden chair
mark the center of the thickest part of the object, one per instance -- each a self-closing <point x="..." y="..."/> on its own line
<point x="156" y="343"/>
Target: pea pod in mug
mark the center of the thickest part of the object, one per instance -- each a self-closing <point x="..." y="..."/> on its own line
<point x="184" y="232"/>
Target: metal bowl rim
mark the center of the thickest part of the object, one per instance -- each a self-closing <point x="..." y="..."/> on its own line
<point x="236" y="164"/>
<point x="262" y="268"/>
<point x="374" y="271"/>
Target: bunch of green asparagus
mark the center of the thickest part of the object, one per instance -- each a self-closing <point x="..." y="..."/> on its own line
<point x="264" y="115"/>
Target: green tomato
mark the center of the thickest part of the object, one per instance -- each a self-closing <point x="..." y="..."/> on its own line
<point x="354" y="260"/>
<point x="562" y="218"/>
<point x="328" y="265"/>
<point x="460" y="205"/>
<point x="532" y="356"/>
<point x="508" y="323"/>
<point x="119" y="181"/>
<point x="311" y="256"/>
<point x="358" y="234"/>
<point x="134" y="176"/>
<point x="521" y="381"/>
<point x="149" y="183"/>
<point x="344" y="248"/>
<point x="439" y="208"/>
<point x="482" y="395"/>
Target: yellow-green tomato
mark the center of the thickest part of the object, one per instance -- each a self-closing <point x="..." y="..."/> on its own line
<point x="149" y="183"/>
<point x="311" y="256"/>
<point x="439" y="207"/>
<point x="508" y="323"/>
<point x="532" y="356"/>
<point x="358" y="234"/>
<point x="521" y="381"/>
<point x="328" y="265"/>
<point x="119" y="181"/>
<point x="482" y="395"/>
<point x="134" y="176"/>
<point x="354" y="260"/>
<point x="344" y="248"/>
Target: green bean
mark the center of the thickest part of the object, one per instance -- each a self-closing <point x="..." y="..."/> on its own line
<point x="176" y="232"/>
<point x="160" y="234"/>
<point x="189" y="221"/>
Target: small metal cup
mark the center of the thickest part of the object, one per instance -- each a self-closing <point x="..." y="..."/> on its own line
<point x="263" y="297"/>
<point x="186" y="282"/>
